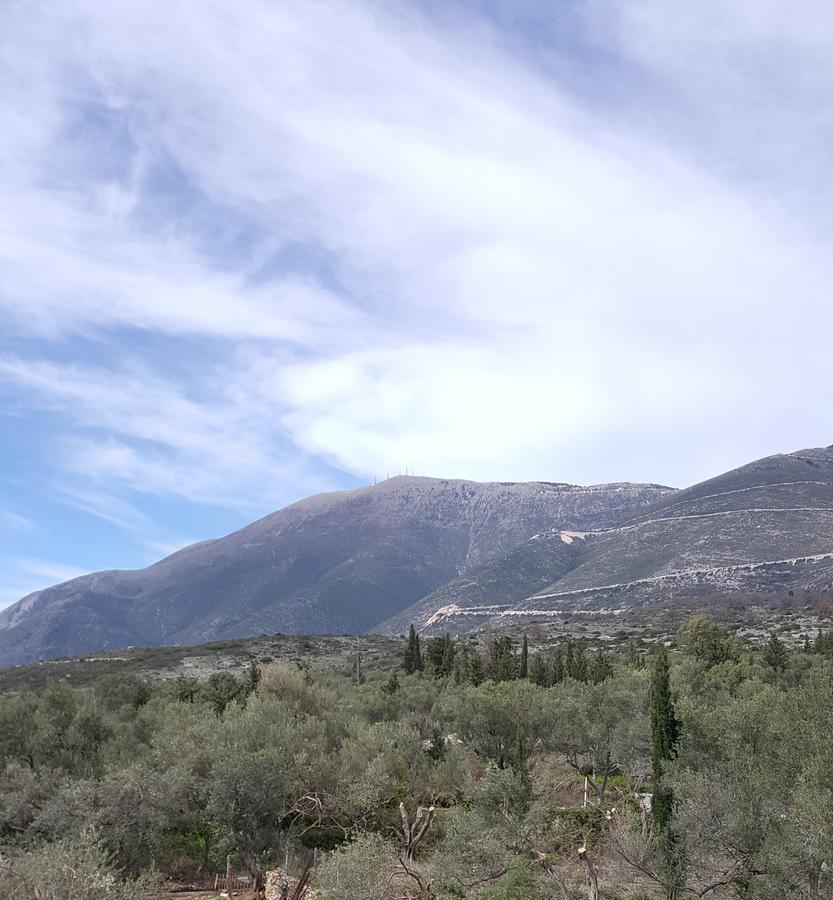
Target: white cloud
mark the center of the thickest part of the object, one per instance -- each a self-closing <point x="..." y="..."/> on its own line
<point x="510" y="284"/>
<point x="140" y="433"/>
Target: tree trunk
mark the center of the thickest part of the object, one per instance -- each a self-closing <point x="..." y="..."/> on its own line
<point x="590" y="876"/>
<point x="414" y="832"/>
<point x="605" y="778"/>
<point x="645" y="812"/>
<point x="555" y="876"/>
<point x="206" y="850"/>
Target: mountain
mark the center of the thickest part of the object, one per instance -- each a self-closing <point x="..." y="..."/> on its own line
<point x="333" y="563"/>
<point x="751" y="535"/>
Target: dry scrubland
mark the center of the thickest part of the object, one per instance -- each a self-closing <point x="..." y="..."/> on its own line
<point x="452" y="769"/>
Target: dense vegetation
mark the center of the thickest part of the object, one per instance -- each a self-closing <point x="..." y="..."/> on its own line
<point x="458" y="774"/>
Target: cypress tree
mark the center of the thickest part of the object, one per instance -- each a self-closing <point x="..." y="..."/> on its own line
<point x="449" y="656"/>
<point x="556" y="668"/>
<point x="599" y="668"/>
<point x="579" y="665"/>
<point x="462" y="665"/>
<point x="538" y="670"/>
<point x="475" y="669"/>
<point x="413" y="654"/>
<point x="664" y="733"/>
<point x="520" y="769"/>
<point x="408" y="663"/>
<point x="634" y="659"/>
<point x="776" y="655"/>
<point x="434" y="652"/>
<point x="504" y="662"/>
<point x="523" y="670"/>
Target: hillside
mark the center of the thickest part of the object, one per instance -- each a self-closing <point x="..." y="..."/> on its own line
<point x="758" y="531"/>
<point x="334" y="563"/>
<point x="317" y="653"/>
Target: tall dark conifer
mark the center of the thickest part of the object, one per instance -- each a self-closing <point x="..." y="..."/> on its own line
<point x="523" y="669"/>
<point x="449" y="655"/>
<point x="664" y="733"/>
<point x="413" y="653"/>
<point x="576" y="662"/>
<point x="538" y="670"/>
<point x="569" y="660"/>
<point x="556" y="668"/>
<point x="476" y="668"/>
<point x="776" y="655"/>
<point x="520" y="769"/>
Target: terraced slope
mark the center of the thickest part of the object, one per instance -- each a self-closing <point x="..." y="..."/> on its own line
<point x="761" y="529"/>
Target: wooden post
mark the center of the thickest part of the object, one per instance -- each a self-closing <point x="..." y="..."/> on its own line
<point x="644" y="801"/>
<point x="229" y="885"/>
<point x="589" y="874"/>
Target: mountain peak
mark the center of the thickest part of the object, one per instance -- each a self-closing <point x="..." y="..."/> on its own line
<point x="343" y="561"/>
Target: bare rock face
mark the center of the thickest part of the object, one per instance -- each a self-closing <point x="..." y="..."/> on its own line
<point x="761" y="531"/>
<point x="334" y="563"/>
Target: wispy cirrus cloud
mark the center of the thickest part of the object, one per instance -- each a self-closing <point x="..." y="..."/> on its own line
<point x="25" y="575"/>
<point x="308" y="244"/>
<point x="15" y="522"/>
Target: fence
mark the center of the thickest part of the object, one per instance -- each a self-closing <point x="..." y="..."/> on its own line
<point x="294" y="863"/>
<point x="238" y="882"/>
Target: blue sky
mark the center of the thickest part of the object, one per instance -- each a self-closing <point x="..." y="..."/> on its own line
<point x="257" y="250"/>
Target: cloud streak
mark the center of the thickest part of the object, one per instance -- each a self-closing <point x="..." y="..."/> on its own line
<point x="334" y="238"/>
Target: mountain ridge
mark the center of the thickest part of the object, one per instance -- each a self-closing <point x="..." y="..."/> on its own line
<point x="337" y="562"/>
<point x="760" y="547"/>
<point x="452" y="554"/>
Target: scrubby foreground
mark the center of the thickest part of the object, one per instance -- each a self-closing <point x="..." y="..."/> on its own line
<point x="473" y="769"/>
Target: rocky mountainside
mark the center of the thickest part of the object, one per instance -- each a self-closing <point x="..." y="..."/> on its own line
<point x="334" y="563"/>
<point x="762" y="530"/>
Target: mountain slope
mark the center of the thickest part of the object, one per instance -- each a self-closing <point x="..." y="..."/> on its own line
<point x="340" y="562"/>
<point x="763" y="528"/>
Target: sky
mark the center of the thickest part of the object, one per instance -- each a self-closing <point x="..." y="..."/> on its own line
<point x="254" y="251"/>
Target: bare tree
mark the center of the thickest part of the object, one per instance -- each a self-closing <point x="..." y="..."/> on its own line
<point x="590" y="876"/>
<point x="412" y="834"/>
